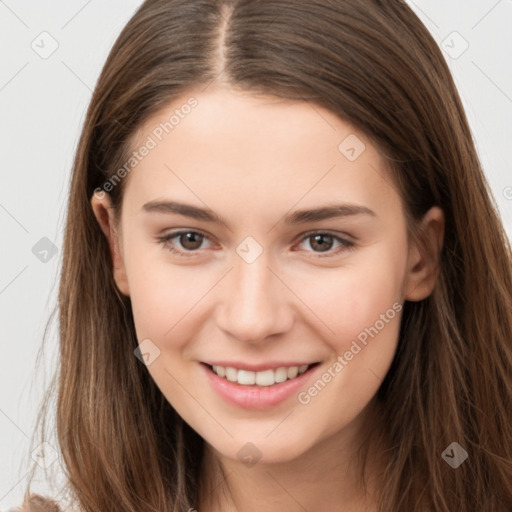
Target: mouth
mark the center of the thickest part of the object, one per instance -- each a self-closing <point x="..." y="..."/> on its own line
<point x="258" y="387"/>
<point x="262" y="378"/>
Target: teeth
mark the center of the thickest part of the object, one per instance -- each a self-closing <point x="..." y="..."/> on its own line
<point x="292" y="372"/>
<point x="263" y="378"/>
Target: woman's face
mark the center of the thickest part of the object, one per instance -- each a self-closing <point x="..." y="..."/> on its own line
<point x="309" y="267"/>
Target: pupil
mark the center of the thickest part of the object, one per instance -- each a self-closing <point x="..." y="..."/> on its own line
<point x="321" y="237"/>
<point x="318" y="239"/>
<point x="189" y="238"/>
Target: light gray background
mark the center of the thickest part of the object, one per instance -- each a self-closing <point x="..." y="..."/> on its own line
<point x="42" y="105"/>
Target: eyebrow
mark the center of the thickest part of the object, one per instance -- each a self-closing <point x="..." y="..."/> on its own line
<point x="330" y="211"/>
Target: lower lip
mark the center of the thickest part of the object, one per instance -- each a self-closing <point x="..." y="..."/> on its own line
<point x="257" y="397"/>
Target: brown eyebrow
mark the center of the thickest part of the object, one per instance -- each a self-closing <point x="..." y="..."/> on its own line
<point x="297" y="217"/>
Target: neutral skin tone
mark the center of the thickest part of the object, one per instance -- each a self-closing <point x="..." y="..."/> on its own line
<point x="253" y="161"/>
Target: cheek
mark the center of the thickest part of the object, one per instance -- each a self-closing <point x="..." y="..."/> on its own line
<point x="161" y="293"/>
<point x="365" y="315"/>
<point x="363" y="307"/>
<point x="352" y="298"/>
<point x="163" y="306"/>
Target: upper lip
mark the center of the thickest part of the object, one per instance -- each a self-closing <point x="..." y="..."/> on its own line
<point x="239" y="365"/>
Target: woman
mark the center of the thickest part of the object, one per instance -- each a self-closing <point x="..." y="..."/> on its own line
<point x="262" y="368"/>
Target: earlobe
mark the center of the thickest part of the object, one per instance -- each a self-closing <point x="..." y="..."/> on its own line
<point x="102" y="208"/>
<point x="424" y="255"/>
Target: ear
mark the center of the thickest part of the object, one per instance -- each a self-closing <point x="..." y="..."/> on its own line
<point x="102" y="208"/>
<point x="423" y="258"/>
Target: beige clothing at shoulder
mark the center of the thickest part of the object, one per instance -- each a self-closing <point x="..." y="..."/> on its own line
<point x="42" y="505"/>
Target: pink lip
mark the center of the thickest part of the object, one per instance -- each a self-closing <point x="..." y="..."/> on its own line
<point x="257" y="397"/>
<point x="257" y="367"/>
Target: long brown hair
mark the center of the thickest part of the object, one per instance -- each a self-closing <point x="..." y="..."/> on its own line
<point x="373" y="63"/>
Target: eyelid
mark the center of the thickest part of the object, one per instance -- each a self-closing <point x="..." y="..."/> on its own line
<point x="166" y="238"/>
<point x="335" y="234"/>
<point x="346" y="242"/>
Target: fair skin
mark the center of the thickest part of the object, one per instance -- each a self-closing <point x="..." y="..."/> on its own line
<point x="253" y="161"/>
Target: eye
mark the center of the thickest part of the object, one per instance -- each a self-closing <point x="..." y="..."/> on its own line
<point x="191" y="241"/>
<point x="324" y="241"/>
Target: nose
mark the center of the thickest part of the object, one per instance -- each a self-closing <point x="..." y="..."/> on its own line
<point x="254" y="303"/>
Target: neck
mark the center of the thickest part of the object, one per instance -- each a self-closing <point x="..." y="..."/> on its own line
<point x="328" y="476"/>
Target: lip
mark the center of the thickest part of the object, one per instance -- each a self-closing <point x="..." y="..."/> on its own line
<point x="257" y="397"/>
<point x="258" y="367"/>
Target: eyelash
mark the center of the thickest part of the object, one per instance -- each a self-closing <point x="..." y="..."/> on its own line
<point x="345" y="244"/>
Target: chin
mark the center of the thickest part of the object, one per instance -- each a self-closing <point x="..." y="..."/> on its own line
<point x="250" y="450"/>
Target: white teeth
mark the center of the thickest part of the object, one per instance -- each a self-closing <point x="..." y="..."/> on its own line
<point x="231" y="374"/>
<point x="246" y="378"/>
<point x="220" y="371"/>
<point x="263" y="378"/>
<point x="292" y="372"/>
<point x="281" y="374"/>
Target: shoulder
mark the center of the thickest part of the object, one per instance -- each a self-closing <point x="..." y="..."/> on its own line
<point x="39" y="503"/>
<point x="47" y="506"/>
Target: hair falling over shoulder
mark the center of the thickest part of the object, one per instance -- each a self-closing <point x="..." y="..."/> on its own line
<point x="37" y="503"/>
<point x="122" y="445"/>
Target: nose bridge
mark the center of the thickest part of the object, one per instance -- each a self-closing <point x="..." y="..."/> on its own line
<point x="254" y="305"/>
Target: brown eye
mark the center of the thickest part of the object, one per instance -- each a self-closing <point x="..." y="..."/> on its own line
<point x="190" y="240"/>
<point x="321" y="242"/>
<point x="188" y="243"/>
<point x="326" y="245"/>
<point x="183" y="243"/>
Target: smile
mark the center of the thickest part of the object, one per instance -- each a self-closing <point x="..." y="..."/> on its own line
<point x="261" y="378"/>
<point x="260" y="387"/>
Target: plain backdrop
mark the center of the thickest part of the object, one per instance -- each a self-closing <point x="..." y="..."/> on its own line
<point x="51" y="54"/>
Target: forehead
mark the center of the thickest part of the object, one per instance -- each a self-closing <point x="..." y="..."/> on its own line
<point x="235" y="147"/>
